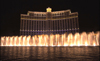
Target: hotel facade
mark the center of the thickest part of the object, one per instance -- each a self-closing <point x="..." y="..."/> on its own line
<point x="56" y="22"/>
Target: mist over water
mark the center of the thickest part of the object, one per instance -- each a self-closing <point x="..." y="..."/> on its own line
<point x="31" y="53"/>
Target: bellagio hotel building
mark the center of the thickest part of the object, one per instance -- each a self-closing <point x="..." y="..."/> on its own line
<point x="56" y="22"/>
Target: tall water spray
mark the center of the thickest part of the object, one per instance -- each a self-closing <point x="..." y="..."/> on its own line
<point x="83" y="39"/>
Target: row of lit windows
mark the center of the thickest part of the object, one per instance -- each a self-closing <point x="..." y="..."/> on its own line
<point x="57" y="32"/>
<point x="39" y="25"/>
<point x="37" y="14"/>
<point x="51" y="30"/>
<point x="44" y="15"/>
<point x="56" y="14"/>
<point x="27" y="17"/>
<point x="38" y="32"/>
<point x="59" y="14"/>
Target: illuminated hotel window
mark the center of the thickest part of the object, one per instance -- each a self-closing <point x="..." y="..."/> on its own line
<point x="42" y="15"/>
<point x="34" y="14"/>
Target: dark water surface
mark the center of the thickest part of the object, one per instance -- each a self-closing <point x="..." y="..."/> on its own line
<point x="49" y="53"/>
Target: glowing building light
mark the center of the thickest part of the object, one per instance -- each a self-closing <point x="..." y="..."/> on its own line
<point x="49" y="9"/>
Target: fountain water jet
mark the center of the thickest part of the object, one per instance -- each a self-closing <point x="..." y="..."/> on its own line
<point x="83" y="39"/>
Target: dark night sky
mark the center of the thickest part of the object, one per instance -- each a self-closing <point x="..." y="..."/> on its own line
<point x="10" y="13"/>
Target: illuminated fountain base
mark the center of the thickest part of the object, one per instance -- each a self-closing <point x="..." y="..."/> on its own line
<point x="83" y="39"/>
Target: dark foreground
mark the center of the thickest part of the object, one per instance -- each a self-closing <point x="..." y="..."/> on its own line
<point x="50" y="53"/>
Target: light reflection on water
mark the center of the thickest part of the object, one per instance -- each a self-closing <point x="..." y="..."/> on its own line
<point x="50" y="53"/>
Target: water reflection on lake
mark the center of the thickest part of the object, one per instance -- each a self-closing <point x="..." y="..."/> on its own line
<point x="50" y="53"/>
